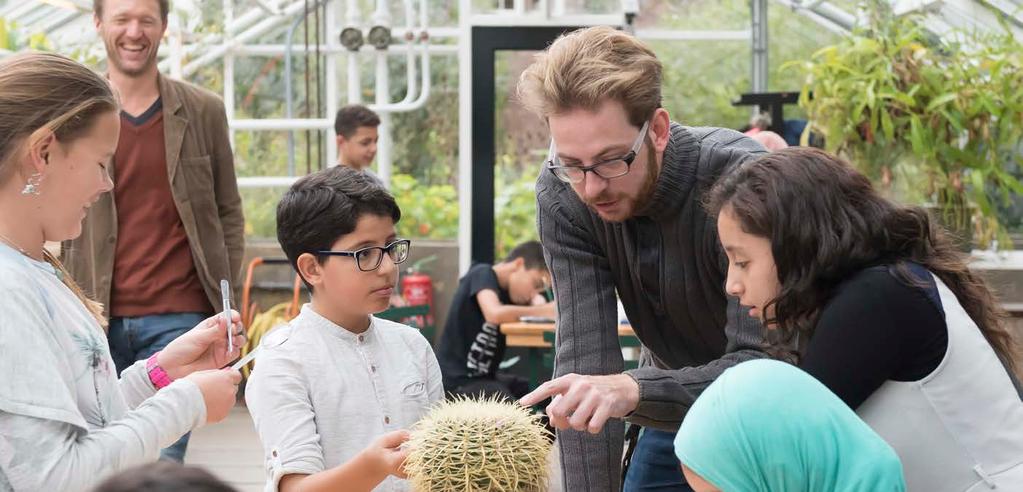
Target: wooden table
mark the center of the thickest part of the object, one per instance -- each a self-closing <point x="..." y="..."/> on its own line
<point x="521" y="334"/>
<point x="530" y="336"/>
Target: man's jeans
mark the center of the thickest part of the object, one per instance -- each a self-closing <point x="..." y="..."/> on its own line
<point x="133" y="339"/>
<point x="654" y="466"/>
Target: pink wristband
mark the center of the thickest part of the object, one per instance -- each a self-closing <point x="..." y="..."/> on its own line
<point x="157" y="375"/>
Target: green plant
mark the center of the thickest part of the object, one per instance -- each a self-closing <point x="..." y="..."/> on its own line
<point x="514" y="205"/>
<point x="478" y="445"/>
<point x="427" y="211"/>
<point x="13" y="39"/>
<point x="945" y="115"/>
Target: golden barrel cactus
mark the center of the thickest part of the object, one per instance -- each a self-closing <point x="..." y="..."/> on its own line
<point x="476" y="445"/>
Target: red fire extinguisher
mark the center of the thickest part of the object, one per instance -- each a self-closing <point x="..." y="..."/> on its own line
<point x="417" y="289"/>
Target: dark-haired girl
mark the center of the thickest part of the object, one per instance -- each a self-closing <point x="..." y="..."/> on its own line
<point x="873" y="300"/>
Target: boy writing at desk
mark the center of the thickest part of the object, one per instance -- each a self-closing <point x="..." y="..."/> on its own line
<point x="472" y="345"/>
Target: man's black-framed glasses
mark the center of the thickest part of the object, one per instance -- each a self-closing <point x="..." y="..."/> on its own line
<point x="369" y="258"/>
<point x="611" y="168"/>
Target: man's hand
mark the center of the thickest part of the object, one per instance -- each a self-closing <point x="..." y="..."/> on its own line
<point x="584" y="403"/>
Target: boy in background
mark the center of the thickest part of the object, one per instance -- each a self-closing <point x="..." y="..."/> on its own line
<point x="355" y="130"/>
<point x="336" y="379"/>
<point x="472" y="345"/>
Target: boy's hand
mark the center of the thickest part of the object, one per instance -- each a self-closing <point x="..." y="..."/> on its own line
<point x="387" y="453"/>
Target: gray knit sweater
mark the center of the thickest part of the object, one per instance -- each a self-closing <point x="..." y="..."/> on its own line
<point x="669" y="270"/>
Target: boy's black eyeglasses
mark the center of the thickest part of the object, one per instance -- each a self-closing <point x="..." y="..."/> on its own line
<point x="611" y="168"/>
<point x="368" y="259"/>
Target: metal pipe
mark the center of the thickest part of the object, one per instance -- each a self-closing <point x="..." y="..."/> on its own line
<point x="351" y="13"/>
<point x="697" y="35"/>
<point x="464" y="137"/>
<point x="354" y="84"/>
<point x="288" y="92"/>
<point x="228" y="9"/>
<point x="317" y="7"/>
<point x="420" y="101"/>
<point x="60" y="21"/>
<point x="410" y="57"/>
<point x="332" y="89"/>
<point x="538" y="21"/>
<point x="266" y="181"/>
<point x="834" y="14"/>
<point x="244" y="21"/>
<point x="559" y="8"/>
<point x="281" y="124"/>
<point x="830" y="17"/>
<point x="382" y="15"/>
<point x="174" y="43"/>
<point x="255" y="31"/>
<point x="231" y="27"/>
<point x="20" y="10"/>
<point x="396" y="50"/>
<point x="272" y="10"/>
<point x="354" y="80"/>
<point x="758" y="28"/>
<point x="384" y="142"/>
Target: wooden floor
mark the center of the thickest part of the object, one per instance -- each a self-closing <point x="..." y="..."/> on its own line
<point x="231" y="450"/>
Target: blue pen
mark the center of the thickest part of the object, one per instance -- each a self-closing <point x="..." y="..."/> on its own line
<point x="225" y="294"/>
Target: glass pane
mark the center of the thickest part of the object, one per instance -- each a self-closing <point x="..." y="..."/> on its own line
<point x="503" y="6"/>
<point x="273" y="153"/>
<point x="424" y="177"/>
<point x="521" y="145"/>
<point x="725" y="15"/>
<point x="260" y="208"/>
<point x="587" y="6"/>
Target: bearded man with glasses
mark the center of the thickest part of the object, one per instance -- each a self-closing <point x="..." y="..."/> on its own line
<point x="619" y="208"/>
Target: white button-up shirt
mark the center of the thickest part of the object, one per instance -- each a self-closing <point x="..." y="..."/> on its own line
<point x="319" y="394"/>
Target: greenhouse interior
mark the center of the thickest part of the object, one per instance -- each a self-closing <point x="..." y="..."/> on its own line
<point x="471" y="120"/>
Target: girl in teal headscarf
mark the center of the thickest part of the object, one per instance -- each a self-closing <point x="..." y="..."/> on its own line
<point x="767" y="426"/>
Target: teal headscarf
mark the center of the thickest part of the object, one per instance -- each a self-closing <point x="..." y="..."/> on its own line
<point x="767" y="426"/>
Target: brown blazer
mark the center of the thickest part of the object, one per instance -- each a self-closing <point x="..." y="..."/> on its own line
<point x="200" y="166"/>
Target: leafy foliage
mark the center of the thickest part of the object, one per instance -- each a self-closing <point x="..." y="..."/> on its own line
<point x="943" y="114"/>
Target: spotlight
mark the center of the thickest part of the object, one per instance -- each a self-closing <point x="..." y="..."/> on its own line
<point x="379" y="37"/>
<point x="351" y="38"/>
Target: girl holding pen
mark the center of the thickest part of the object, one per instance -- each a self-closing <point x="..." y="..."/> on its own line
<point x="66" y="419"/>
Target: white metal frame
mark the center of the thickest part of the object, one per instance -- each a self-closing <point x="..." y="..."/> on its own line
<point x="242" y="32"/>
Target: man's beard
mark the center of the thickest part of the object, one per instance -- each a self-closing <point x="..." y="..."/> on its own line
<point x="646" y="193"/>
<point x="642" y="199"/>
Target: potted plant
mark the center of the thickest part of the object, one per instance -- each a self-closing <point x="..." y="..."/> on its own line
<point x="933" y="120"/>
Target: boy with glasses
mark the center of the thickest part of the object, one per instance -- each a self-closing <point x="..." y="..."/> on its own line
<point x="336" y="378"/>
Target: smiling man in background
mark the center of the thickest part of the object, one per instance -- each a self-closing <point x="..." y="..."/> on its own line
<point x="153" y="250"/>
